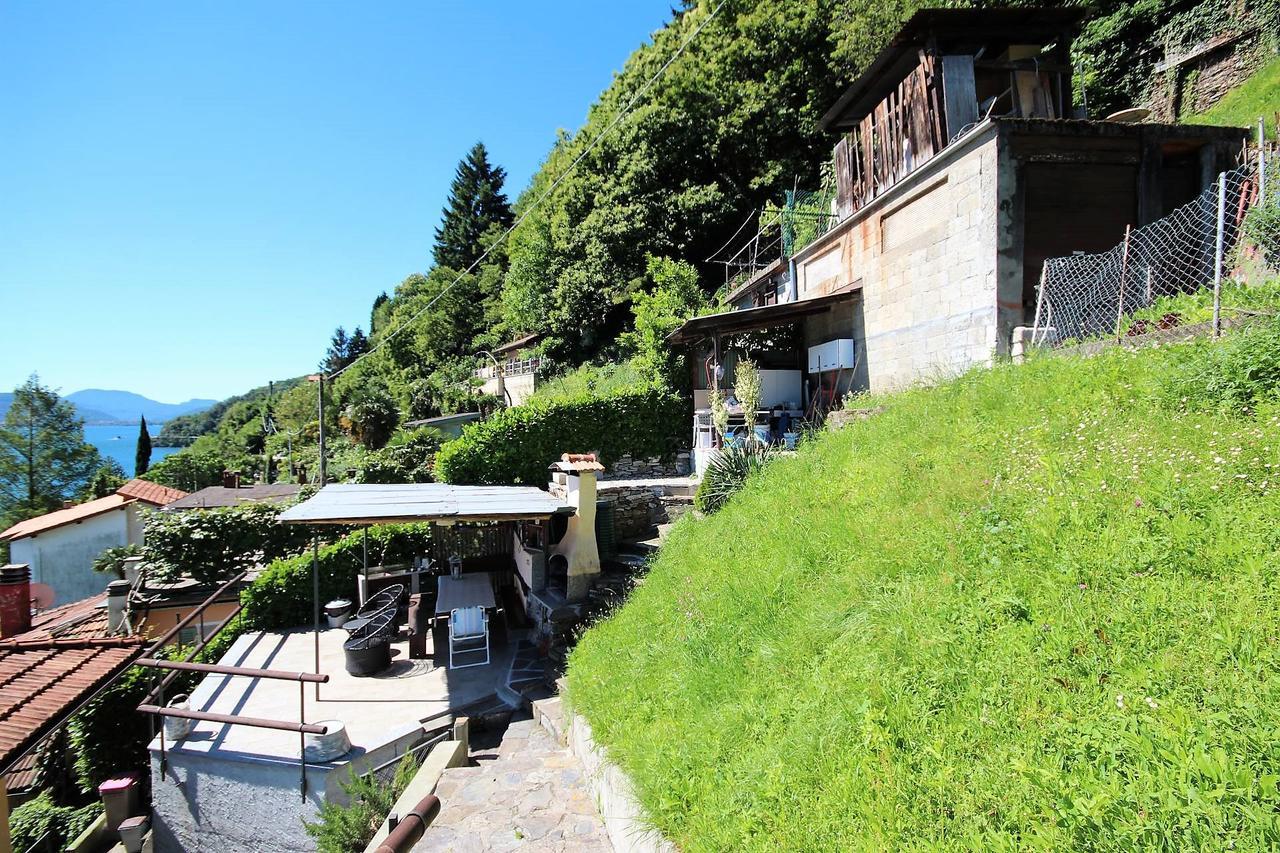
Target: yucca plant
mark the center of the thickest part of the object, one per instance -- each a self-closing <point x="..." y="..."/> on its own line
<point x="728" y="472"/>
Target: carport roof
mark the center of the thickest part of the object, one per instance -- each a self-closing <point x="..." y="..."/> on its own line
<point x="345" y="503"/>
<point x="764" y="317"/>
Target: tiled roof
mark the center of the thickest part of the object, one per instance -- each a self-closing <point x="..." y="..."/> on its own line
<point x="79" y="620"/>
<point x="58" y="518"/>
<point x="216" y="496"/>
<point x="23" y="774"/>
<point x="152" y="493"/>
<point x="43" y="681"/>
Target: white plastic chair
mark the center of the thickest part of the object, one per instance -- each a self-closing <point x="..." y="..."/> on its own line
<point x="468" y="632"/>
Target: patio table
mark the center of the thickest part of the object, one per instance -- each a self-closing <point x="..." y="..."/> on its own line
<point x="470" y="590"/>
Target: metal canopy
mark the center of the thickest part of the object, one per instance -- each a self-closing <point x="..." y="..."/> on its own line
<point x="764" y="317"/>
<point x="343" y="503"/>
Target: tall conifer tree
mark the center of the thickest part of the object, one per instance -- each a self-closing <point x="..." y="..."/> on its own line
<point x="476" y="203"/>
<point x="142" y="456"/>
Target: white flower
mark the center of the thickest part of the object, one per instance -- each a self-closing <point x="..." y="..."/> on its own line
<point x="1120" y="701"/>
<point x="1151" y="703"/>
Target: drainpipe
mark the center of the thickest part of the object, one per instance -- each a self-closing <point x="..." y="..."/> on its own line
<point x="793" y="287"/>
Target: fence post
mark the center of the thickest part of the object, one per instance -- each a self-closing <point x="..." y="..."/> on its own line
<point x="1035" y="323"/>
<point x="1262" y="161"/>
<point x="1124" y="270"/>
<point x="1217" y="255"/>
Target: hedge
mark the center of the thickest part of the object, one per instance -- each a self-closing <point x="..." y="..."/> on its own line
<point x="281" y="595"/>
<point x="516" y="445"/>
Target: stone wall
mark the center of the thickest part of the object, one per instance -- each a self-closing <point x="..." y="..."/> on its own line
<point x="628" y="468"/>
<point x="1197" y="78"/>
<point x="636" y="510"/>
<point x="925" y="255"/>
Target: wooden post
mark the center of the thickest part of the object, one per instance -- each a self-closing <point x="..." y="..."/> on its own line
<point x="1124" y="272"/>
<point x="1217" y="255"/>
<point x="6" y="841"/>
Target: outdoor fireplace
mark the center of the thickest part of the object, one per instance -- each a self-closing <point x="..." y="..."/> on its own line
<point x="576" y="557"/>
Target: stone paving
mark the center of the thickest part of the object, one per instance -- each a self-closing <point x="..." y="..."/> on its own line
<point x="528" y="794"/>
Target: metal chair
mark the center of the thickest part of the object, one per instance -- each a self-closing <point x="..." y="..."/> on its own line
<point x="368" y="646"/>
<point x="468" y="633"/>
<point x="389" y="599"/>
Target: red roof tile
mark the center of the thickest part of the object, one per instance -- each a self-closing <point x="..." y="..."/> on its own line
<point x="43" y="681"/>
<point x="148" y="492"/>
<point x="50" y="520"/>
<point x="23" y="774"/>
<point x="80" y="620"/>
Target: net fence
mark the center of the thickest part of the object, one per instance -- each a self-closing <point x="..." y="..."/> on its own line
<point x="1122" y="291"/>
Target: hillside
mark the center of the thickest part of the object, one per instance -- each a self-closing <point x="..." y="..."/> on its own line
<point x="1035" y="606"/>
<point x="183" y="429"/>
<point x="102" y="406"/>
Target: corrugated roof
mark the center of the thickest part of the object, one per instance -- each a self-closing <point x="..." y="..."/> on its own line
<point x="373" y="504"/>
<point x="217" y="496"/>
<point x="43" y="681"/>
<point x="51" y="520"/>
<point x="152" y="493"/>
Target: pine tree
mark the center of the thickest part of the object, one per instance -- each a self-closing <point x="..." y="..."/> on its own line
<point x="336" y="358"/>
<point x="357" y="345"/>
<point x="476" y="204"/>
<point x="142" y="456"/>
<point x="44" y="458"/>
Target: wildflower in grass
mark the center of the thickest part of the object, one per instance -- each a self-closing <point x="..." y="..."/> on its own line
<point x="1137" y="502"/>
<point x="1151" y="703"/>
<point x="1120" y="701"/>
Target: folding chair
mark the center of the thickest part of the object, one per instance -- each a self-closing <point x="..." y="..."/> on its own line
<point x="468" y="632"/>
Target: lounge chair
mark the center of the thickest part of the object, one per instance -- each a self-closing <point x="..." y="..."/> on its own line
<point x="468" y="633"/>
<point x="368" y="647"/>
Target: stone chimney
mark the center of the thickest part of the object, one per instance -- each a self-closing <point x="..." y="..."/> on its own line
<point x="117" y="603"/>
<point x="230" y="479"/>
<point x="573" y="480"/>
<point x="15" y="599"/>
<point x="132" y="569"/>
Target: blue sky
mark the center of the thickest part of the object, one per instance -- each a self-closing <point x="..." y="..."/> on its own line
<point x="193" y="195"/>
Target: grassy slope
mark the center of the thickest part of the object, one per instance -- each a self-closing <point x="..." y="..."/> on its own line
<point x="940" y="627"/>
<point x="1259" y="96"/>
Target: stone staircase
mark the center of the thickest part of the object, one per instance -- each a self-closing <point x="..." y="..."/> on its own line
<point x="525" y="793"/>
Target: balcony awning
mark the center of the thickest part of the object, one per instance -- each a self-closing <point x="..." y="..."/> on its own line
<point x="369" y="503"/>
<point x="764" y="317"/>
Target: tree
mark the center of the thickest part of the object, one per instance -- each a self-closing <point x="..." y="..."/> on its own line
<point x="189" y="470"/>
<point x="476" y="203"/>
<point x="44" y="458"/>
<point x="109" y="477"/>
<point x="142" y="457"/>
<point x="343" y="350"/>
<point x="675" y="297"/>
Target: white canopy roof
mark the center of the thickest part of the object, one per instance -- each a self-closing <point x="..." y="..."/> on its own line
<point x="341" y="503"/>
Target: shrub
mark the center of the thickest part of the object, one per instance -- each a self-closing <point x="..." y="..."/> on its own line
<point x="43" y="821"/>
<point x="349" y="828"/>
<point x="409" y="458"/>
<point x="111" y="561"/>
<point x="281" y="595"/>
<point x="1262" y="227"/>
<point x="212" y="545"/>
<point x="372" y="418"/>
<point x="728" y="473"/>
<point x="516" y="445"/>
<point x="188" y="470"/>
<point x="1233" y="374"/>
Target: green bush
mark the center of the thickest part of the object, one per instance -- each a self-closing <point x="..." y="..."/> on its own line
<point x="111" y="561"/>
<point x="728" y="473"/>
<point x="516" y="445"/>
<point x="212" y="545"/>
<point x="349" y="828"/>
<point x="281" y="595"/>
<point x="409" y="458"/>
<point x="1029" y="609"/>
<point x="43" y="821"/>
<point x="1234" y="375"/>
<point x="188" y="470"/>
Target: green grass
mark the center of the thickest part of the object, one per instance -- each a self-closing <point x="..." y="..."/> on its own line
<point x="1035" y="607"/>
<point x="600" y="380"/>
<point x="1259" y="96"/>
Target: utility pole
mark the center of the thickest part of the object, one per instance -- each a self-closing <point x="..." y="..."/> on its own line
<point x="324" y="468"/>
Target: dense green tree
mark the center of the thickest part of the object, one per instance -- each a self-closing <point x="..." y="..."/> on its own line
<point x="674" y="297"/>
<point x="189" y="470"/>
<point x="142" y="456"/>
<point x="109" y="477"/>
<point x="44" y="458"/>
<point x="378" y="313"/>
<point x="476" y="203"/>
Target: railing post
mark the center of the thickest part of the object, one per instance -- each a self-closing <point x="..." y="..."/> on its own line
<point x="1217" y="255"/>
<point x="1124" y="271"/>
<point x="1262" y="160"/>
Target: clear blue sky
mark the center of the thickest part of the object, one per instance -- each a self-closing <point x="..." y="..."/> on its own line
<point x="194" y="194"/>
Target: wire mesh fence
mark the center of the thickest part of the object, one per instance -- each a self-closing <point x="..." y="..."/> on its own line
<point x="781" y="232"/>
<point x="1125" y="290"/>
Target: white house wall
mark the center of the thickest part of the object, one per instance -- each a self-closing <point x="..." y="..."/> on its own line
<point x="63" y="557"/>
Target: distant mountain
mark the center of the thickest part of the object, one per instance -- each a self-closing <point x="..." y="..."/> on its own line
<point x="99" y="406"/>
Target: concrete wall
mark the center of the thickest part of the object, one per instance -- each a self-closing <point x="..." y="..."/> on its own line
<point x="926" y="258"/>
<point x="63" y="557"/>
<point x="519" y="387"/>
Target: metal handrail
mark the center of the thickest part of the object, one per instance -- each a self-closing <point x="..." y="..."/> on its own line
<point x="412" y="826"/>
<point x="247" y="671"/>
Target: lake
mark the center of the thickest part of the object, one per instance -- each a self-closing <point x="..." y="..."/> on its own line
<point x="120" y="442"/>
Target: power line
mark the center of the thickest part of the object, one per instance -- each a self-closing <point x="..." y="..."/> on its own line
<point x="622" y="114"/>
